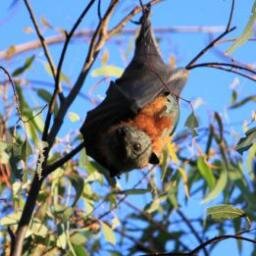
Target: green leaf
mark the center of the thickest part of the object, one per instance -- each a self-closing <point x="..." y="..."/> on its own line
<point x="246" y="142"/>
<point x="108" y="233"/>
<point x="73" y="117"/>
<point x="11" y="219"/>
<point x="24" y="67"/>
<point x="154" y="205"/>
<point x="46" y="96"/>
<point x="33" y="122"/>
<point x="79" y="250"/>
<point x="206" y="172"/>
<point x="243" y="102"/>
<point x="136" y="191"/>
<point x="192" y="123"/>
<point x="38" y="229"/>
<point x="62" y="240"/>
<point x="26" y="150"/>
<point x="78" y="184"/>
<point x="63" y="77"/>
<point x="247" y="32"/>
<point x="3" y="154"/>
<point x="223" y="212"/>
<point x="220" y="185"/>
<point x="108" y="71"/>
<point x="78" y="239"/>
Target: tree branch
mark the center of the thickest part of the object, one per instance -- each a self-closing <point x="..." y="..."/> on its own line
<point x="13" y="51"/>
<point x="50" y="168"/>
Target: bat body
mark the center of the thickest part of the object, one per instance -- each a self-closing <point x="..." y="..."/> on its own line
<point x="132" y="125"/>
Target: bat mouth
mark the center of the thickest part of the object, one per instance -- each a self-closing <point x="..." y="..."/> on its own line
<point x="153" y="159"/>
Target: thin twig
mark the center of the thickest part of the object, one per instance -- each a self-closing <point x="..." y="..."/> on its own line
<point x="193" y="231"/>
<point x="99" y="10"/>
<point x="16" y="97"/>
<point x="212" y="43"/>
<point x="227" y="69"/>
<point x="128" y="17"/>
<point x="221" y="238"/>
<point x="99" y="38"/>
<point x="209" y="46"/>
<point x="40" y="37"/>
<point x="58" y="89"/>
<point x="223" y="64"/>
<point x="231" y="15"/>
<point x="68" y="37"/>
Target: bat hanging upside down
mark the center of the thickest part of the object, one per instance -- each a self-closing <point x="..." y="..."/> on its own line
<point x="130" y="128"/>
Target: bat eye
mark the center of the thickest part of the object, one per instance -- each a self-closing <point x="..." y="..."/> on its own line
<point x="137" y="146"/>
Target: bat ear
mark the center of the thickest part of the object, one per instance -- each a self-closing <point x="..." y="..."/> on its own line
<point x="153" y="159"/>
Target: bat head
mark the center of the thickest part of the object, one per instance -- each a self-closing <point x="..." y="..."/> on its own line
<point x="128" y="148"/>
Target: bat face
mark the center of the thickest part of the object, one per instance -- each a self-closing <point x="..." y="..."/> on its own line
<point x="128" y="129"/>
<point x="126" y="148"/>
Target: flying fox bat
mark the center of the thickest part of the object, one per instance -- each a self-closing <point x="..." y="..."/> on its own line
<point x="130" y="128"/>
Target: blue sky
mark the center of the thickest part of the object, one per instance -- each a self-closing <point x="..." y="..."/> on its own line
<point x="212" y="86"/>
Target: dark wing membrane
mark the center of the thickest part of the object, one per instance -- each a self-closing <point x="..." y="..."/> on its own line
<point x="113" y="109"/>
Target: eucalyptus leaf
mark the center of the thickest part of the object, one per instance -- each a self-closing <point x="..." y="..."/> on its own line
<point x="108" y="71"/>
<point x="24" y="67"/>
<point x="108" y="233"/>
<point x="224" y="211"/>
<point x="246" y="142"/>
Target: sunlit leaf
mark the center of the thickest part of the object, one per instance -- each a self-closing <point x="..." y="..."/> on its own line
<point x="78" y="238"/>
<point x="105" y="58"/>
<point x="247" y="32"/>
<point x="24" y="67"/>
<point x="108" y="233"/>
<point x="10" y="51"/>
<point x="4" y="157"/>
<point x="184" y="177"/>
<point x="206" y="172"/>
<point x="63" y="77"/>
<point x="10" y="219"/>
<point x="219" y="186"/>
<point x="62" y="240"/>
<point x="108" y="71"/>
<point x="154" y="206"/>
<point x="224" y="211"/>
<point x="38" y="229"/>
<point x="73" y="117"/>
<point x="172" y="149"/>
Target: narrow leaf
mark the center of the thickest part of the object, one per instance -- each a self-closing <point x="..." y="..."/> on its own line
<point x="192" y="123"/>
<point x="243" y="102"/>
<point x="108" y="233"/>
<point x="246" y="142"/>
<point x="206" y="172"/>
<point x="73" y="117"/>
<point x="24" y="67"/>
<point x="224" y="211"/>
<point x="220" y="185"/>
<point x="138" y="191"/>
<point x="246" y="34"/>
<point x="108" y="71"/>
